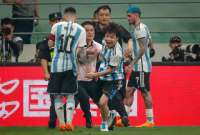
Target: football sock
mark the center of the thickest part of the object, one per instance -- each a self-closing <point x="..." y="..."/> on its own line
<point x="70" y="108"/>
<point x="59" y="107"/>
<point x="149" y="115"/>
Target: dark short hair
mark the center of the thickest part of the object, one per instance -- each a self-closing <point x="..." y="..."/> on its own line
<point x="103" y="7"/>
<point x="175" y="39"/>
<point x="112" y="28"/>
<point x="95" y="12"/>
<point x="87" y="23"/>
<point x="55" y="16"/>
<point x="70" y="10"/>
<point x="6" y="21"/>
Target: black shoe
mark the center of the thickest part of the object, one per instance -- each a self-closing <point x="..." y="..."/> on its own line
<point x="88" y="122"/>
<point x="111" y="127"/>
<point x="52" y="124"/>
<point x="111" y="121"/>
<point x="125" y="121"/>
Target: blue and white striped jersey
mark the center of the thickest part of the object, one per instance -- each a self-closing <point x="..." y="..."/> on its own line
<point x="112" y="57"/>
<point x="143" y="64"/>
<point x="67" y="36"/>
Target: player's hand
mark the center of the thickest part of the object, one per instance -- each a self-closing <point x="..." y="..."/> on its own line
<point x="46" y="76"/>
<point x="91" y="75"/>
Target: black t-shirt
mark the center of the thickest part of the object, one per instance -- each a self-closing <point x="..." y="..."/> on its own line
<point x="44" y="51"/>
<point x="99" y="34"/>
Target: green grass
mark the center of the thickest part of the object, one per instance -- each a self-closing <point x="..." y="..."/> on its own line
<point x="95" y="131"/>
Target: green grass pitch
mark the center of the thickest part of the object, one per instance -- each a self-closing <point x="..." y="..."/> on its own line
<point x="95" y="131"/>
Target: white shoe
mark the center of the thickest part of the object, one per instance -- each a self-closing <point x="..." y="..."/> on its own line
<point x="104" y="127"/>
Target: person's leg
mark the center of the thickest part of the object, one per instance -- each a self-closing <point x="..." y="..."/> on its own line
<point x="28" y="29"/>
<point x="128" y="100"/>
<point x="84" y="104"/>
<point x="52" y="115"/>
<point x="24" y="25"/>
<point x="148" y="105"/>
<point x="103" y="104"/>
<point x="56" y="99"/>
<point x="94" y="92"/>
<point x="131" y="87"/>
<point x="70" y="106"/>
<point x="147" y="101"/>
<point x="59" y="107"/>
<point x="116" y="103"/>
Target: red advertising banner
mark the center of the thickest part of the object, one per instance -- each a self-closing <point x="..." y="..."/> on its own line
<point x="175" y="91"/>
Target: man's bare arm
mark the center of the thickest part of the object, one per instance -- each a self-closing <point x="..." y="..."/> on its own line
<point x="141" y="42"/>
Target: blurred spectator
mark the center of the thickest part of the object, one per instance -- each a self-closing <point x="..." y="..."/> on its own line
<point x="179" y="53"/>
<point x="176" y="54"/>
<point x="10" y="45"/>
<point x="25" y="13"/>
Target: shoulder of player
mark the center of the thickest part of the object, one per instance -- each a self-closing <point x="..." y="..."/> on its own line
<point x="78" y="26"/>
<point x="140" y="27"/>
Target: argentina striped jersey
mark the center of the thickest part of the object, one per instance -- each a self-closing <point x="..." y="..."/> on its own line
<point x="67" y="37"/>
<point x="112" y="57"/>
<point x="143" y="64"/>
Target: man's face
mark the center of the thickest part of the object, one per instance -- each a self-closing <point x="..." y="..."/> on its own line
<point x="111" y="39"/>
<point x="103" y="16"/>
<point x="89" y="32"/>
<point x="132" y="17"/>
<point x="174" y="45"/>
<point x="8" y="26"/>
<point x="69" y="17"/>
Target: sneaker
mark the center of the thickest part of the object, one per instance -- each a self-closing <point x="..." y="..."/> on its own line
<point x="147" y="124"/>
<point x="125" y="121"/>
<point x="69" y="127"/>
<point x="111" y="121"/>
<point x="119" y="123"/>
<point x="62" y="127"/>
<point x="104" y="127"/>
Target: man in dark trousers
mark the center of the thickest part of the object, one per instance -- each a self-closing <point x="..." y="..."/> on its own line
<point x="45" y="55"/>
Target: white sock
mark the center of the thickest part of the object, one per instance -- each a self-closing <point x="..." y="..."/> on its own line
<point x="105" y="122"/>
<point x="128" y="109"/>
<point x="70" y="108"/>
<point x="149" y="115"/>
<point x="59" y="107"/>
